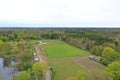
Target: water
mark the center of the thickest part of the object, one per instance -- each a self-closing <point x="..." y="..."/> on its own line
<point x="6" y="73"/>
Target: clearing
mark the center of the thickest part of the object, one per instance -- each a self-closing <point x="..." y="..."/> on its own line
<point x="60" y="49"/>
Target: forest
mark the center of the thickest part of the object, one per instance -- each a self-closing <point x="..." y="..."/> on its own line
<point x="64" y="53"/>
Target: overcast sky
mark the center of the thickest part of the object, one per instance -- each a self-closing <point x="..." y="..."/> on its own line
<point x="64" y="13"/>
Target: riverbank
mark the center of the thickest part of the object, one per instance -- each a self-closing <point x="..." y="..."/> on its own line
<point x="7" y="72"/>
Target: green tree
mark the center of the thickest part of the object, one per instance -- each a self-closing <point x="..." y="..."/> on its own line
<point x="110" y="54"/>
<point x="112" y="45"/>
<point x="97" y="50"/>
<point x="25" y="60"/>
<point x="26" y="56"/>
<point x="4" y="38"/>
<point x="114" y="70"/>
<point x="22" y="45"/>
<point x="15" y="49"/>
<point x="82" y="75"/>
<point x="6" y="48"/>
<point x="1" y="45"/>
<point x="23" y="75"/>
<point x="39" y="70"/>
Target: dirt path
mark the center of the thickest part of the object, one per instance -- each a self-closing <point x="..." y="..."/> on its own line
<point x="43" y="58"/>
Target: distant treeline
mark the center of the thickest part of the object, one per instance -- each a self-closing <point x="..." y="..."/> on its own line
<point x="85" y="38"/>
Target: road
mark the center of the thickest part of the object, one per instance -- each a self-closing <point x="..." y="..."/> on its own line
<point x="43" y="58"/>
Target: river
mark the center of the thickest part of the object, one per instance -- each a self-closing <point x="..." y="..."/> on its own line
<point x="7" y="72"/>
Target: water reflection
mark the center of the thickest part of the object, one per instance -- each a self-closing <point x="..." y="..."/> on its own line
<point x="6" y="73"/>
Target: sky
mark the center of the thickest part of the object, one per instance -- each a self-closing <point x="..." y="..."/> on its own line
<point x="60" y="13"/>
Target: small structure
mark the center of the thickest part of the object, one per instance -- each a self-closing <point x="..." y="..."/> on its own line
<point x="42" y="43"/>
<point x="35" y="54"/>
<point x="92" y="57"/>
<point x="36" y="58"/>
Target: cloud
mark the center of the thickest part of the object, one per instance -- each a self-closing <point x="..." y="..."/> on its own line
<point x="65" y="12"/>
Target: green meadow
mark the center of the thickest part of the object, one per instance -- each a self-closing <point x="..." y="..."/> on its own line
<point x="60" y="56"/>
<point x="59" y="49"/>
<point x="64" y="67"/>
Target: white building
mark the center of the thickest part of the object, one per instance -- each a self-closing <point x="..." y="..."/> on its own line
<point x="36" y="58"/>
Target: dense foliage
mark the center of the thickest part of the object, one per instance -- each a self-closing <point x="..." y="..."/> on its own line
<point x="36" y="73"/>
<point x="114" y="70"/>
<point x="109" y="55"/>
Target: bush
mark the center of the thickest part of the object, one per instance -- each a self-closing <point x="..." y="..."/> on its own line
<point x="104" y="61"/>
<point x="109" y="55"/>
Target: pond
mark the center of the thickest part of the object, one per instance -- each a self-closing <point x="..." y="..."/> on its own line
<point x="7" y="72"/>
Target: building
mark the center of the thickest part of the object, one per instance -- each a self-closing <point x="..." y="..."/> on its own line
<point x="36" y="58"/>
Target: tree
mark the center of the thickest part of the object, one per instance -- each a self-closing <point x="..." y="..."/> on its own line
<point x="114" y="70"/>
<point x="39" y="69"/>
<point x="15" y="49"/>
<point x="1" y="45"/>
<point x="23" y="75"/>
<point x="4" y="38"/>
<point x="81" y="75"/>
<point x="6" y="48"/>
<point x="97" y="50"/>
<point x="112" y="45"/>
<point x="25" y="60"/>
<point x="22" y="45"/>
<point x="26" y="56"/>
<point x="110" y="54"/>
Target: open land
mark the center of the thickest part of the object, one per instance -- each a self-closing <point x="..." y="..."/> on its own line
<point x="67" y="60"/>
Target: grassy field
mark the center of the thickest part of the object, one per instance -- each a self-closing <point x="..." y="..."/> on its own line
<point x="67" y="60"/>
<point x="60" y="57"/>
<point x="64" y="68"/>
<point x="84" y="62"/>
<point x="59" y="49"/>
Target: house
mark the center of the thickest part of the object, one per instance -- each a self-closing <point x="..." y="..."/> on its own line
<point x="92" y="57"/>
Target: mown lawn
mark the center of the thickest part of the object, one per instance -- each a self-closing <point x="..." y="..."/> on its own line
<point x="59" y="49"/>
<point x="64" y="68"/>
